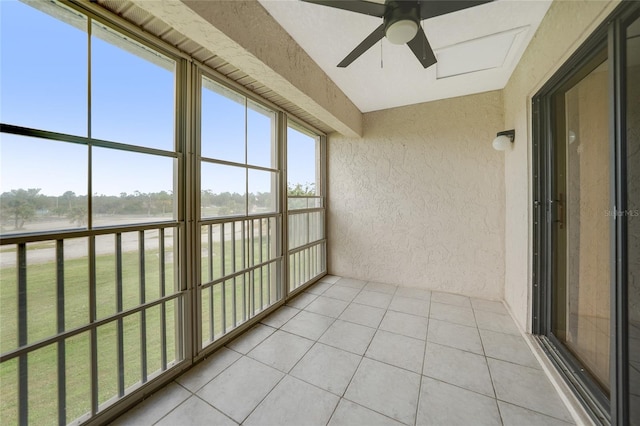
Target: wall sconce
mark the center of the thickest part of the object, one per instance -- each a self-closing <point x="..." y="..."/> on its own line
<point x="503" y="140"/>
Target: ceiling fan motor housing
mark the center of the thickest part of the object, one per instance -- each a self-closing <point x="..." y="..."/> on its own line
<point x="401" y="21"/>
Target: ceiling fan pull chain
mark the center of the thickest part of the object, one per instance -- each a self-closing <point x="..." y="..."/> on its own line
<point x="381" y="58"/>
<point x="424" y="47"/>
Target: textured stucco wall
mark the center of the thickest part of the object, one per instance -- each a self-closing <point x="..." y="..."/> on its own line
<point x="419" y="200"/>
<point x="566" y="25"/>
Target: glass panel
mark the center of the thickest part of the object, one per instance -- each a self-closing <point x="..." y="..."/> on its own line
<point x="222" y="123"/>
<point x="43" y="51"/>
<point x="582" y="319"/>
<point x="154" y="340"/>
<point x="132" y="347"/>
<point x="139" y="190"/>
<point x="298" y="230"/>
<point x="223" y="190"/>
<point x="303" y="163"/>
<point x="41" y="290"/>
<point x="211" y="263"/>
<point x="172" y="325"/>
<point x="305" y="265"/>
<point x="76" y="282"/>
<point x="151" y="265"/>
<point x="303" y="202"/>
<point x="130" y="270"/>
<point x="229" y="305"/>
<point x="43" y="384"/>
<point x="107" y="362"/>
<point x="206" y="310"/>
<point x="78" y="375"/>
<point x="229" y="249"/>
<point x="272" y="239"/>
<point x="171" y="279"/>
<point x="105" y="275"/>
<point x="43" y="184"/>
<point x="262" y="191"/>
<point x="218" y="303"/>
<point x="8" y="299"/>
<point x="132" y="91"/>
<point x="316" y="226"/>
<point x="240" y="306"/>
<point x="9" y="391"/>
<point x="261" y="141"/>
<point x="633" y="215"/>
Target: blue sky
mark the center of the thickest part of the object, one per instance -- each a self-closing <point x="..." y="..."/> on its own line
<point x="43" y="76"/>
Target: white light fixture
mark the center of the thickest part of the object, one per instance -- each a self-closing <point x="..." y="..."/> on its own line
<point x="504" y="140"/>
<point x="402" y="31"/>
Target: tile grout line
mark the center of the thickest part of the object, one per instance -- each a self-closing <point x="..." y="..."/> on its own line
<point x="486" y="362"/>
<point x="285" y="374"/>
<point x="377" y="328"/>
<point x="341" y="397"/>
<point x="362" y="357"/>
<point x="424" y="360"/>
<point x="316" y="342"/>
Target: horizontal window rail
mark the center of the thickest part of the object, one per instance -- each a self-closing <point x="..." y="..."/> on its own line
<point x="226" y="219"/>
<point x="82" y="140"/>
<point x="236" y="164"/>
<point x="68" y="234"/>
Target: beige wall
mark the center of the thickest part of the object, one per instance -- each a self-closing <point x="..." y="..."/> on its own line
<point x="419" y="199"/>
<point x="566" y="25"/>
<point x="375" y="179"/>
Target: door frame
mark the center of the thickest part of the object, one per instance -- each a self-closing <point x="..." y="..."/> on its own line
<point x="609" y="36"/>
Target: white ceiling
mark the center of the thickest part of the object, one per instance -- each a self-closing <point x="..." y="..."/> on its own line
<point x="477" y="50"/>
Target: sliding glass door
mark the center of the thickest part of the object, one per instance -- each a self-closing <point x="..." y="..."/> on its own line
<point x="586" y="203"/>
<point x="581" y="187"/>
<point x="632" y="128"/>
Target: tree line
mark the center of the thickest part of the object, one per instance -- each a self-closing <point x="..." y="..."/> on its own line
<point x="18" y="206"/>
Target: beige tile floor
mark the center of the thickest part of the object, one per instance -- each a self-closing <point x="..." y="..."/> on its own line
<point x="349" y="352"/>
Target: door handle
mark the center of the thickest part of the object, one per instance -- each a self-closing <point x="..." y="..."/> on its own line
<point x="560" y="202"/>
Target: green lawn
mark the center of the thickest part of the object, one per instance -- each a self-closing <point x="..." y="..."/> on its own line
<point x="41" y="323"/>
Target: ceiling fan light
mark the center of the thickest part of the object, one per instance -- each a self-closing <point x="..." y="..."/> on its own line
<point x="402" y="31"/>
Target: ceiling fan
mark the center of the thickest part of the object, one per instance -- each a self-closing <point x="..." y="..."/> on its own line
<point x="400" y="23"/>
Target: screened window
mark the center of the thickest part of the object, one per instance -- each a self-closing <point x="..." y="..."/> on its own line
<point x="133" y="86"/>
<point x="238" y="150"/>
<point x="115" y="204"/>
<point x="240" y="244"/>
<point x="48" y="89"/>
<point x="305" y="200"/>
<point x="89" y="314"/>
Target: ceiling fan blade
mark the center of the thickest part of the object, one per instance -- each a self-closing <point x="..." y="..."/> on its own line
<point x="358" y="6"/>
<point x="421" y="48"/>
<point x="366" y="44"/>
<point x="432" y="8"/>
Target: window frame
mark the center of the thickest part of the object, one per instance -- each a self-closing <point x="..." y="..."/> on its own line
<point x="186" y="203"/>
